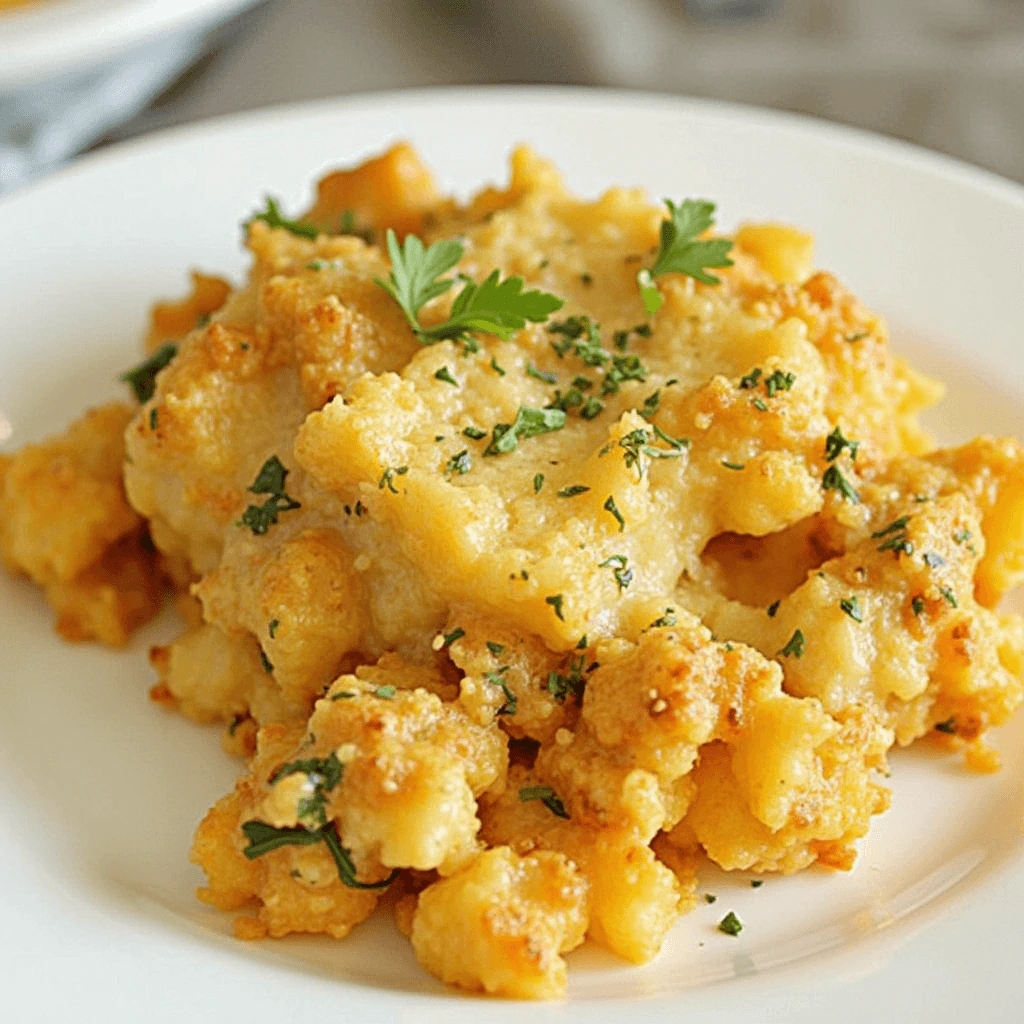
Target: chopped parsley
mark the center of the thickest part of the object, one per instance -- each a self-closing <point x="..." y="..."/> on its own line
<point x="610" y="506"/>
<point x="511" y="705"/>
<point x="779" y="381"/>
<point x="571" y="492"/>
<point x="560" y="686"/>
<point x="730" y="925"/>
<point x="773" y="608"/>
<point x="758" y="404"/>
<point x="263" y="838"/>
<point x="833" y="480"/>
<point x="273" y="217"/>
<point x="556" y="602"/>
<point x="835" y="443"/>
<point x="538" y="482"/>
<point x="894" y="527"/>
<point x="638" y="442"/>
<point x="733" y="465"/>
<point x="270" y="480"/>
<point x="795" y="647"/>
<point x="650" y="406"/>
<point x="142" y="378"/>
<point x="546" y="795"/>
<point x="948" y="596"/>
<point x="385" y="692"/>
<point x="458" y="463"/>
<point x="917" y="605"/>
<point x="272" y="627"/>
<point x="852" y="607"/>
<point x="932" y="560"/>
<point x="528" y="423"/>
<point x="750" y="380"/>
<point x="446" y="375"/>
<point x="474" y="433"/>
<point x="496" y="368"/>
<point x="495" y="649"/>
<point x="324" y="773"/>
<point x="449" y="638"/>
<point x="710" y="897"/>
<point x="948" y="726"/>
<point x="544" y="375"/>
<point x="619" y="564"/>
<point x="680" y="251"/>
<point x="388" y="478"/>
<point x="266" y="663"/>
<point x="664" y="621"/>
<point x="495" y="306"/>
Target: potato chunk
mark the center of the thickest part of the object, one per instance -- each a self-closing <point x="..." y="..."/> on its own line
<point x="65" y="522"/>
<point x="500" y="924"/>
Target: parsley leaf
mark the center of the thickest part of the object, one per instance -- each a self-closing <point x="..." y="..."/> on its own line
<point x="495" y="306"/>
<point x="834" y="480"/>
<point x="795" y="647"/>
<point x="556" y="602"/>
<point x="528" y="423"/>
<point x="546" y="795"/>
<point x="142" y="378"/>
<point x="270" y="480"/>
<point x="681" y="252"/>
<point x="273" y="217"/>
<point x="852" y="607"/>
<point x="730" y="925"/>
<point x="263" y="838"/>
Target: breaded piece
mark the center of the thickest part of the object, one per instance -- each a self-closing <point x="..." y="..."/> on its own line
<point x="293" y="888"/>
<point x="65" y="522"/>
<point x="634" y="897"/>
<point x="500" y="924"/>
<point x="173" y="319"/>
<point x="406" y="771"/>
<point x="394" y="190"/>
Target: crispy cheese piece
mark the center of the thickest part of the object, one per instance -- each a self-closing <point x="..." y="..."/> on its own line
<point x="65" y="523"/>
<point x="500" y="924"/>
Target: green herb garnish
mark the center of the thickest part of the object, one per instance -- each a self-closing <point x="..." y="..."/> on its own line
<point x="546" y="795"/>
<point x="795" y="647"/>
<point x="610" y="506"/>
<point x="834" y="480"/>
<point x="495" y="306"/>
<point x="263" y="838"/>
<point x="270" y="480"/>
<point x="852" y="607"/>
<point x="273" y="217"/>
<point x="556" y="602"/>
<point x="528" y="423"/>
<point x="142" y="378"/>
<point x="388" y="478"/>
<point x="680" y="251"/>
<point x="730" y="925"/>
<point x="458" y="463"/>
<point x="835" y="443"/>
<point x="446" y="375"/>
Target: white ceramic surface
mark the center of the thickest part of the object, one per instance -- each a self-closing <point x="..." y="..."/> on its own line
<point x="100" y="789"/>
<point x="52" y="37"/>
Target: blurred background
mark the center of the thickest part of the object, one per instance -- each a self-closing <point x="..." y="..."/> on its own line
<point x="77" y="74"/>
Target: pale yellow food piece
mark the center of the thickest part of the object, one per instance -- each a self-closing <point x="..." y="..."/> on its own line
<point x="65" y="522"/>
<point x="501" y="923"/>
<point x="635" y="898"/>
<point x="785" y="252"/>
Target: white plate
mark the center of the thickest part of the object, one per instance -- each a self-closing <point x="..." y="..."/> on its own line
<point x="50" y="37"/>
<point x="100" y="789"/>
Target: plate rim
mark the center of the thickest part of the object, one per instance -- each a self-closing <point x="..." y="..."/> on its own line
<point x="856" y="139"/>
